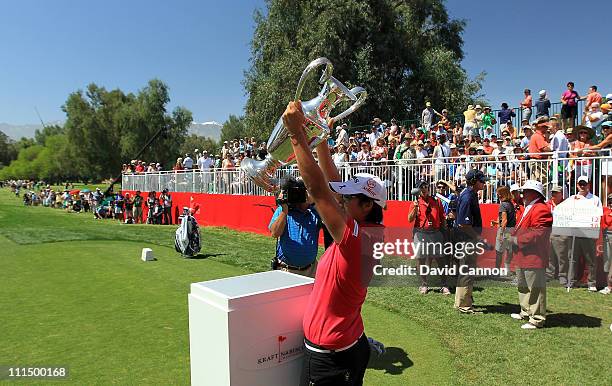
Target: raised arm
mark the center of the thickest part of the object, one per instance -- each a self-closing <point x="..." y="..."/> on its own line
<point x="330" y="171"/>
<point x="331" y="213"/>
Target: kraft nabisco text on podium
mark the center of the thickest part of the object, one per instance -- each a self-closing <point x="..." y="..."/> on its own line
<point x="247" y="330"/>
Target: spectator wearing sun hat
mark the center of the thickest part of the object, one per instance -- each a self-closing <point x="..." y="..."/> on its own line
<point x="584" y="136"/>
<point x="538" y="145"/>
<point x="470" y="120"/>
<point x="542" y="105"/>
<point x="532" y="246"/>
<point x="427" y="116"/>
<point x="343" y="137"/>
<point x="559" y="143"/>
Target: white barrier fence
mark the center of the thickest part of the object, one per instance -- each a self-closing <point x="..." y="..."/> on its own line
<point x="401" y="176"/>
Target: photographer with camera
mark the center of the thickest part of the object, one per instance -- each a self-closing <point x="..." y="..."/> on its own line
<point x="429" y="227"/>
<point x="296" y="225"/>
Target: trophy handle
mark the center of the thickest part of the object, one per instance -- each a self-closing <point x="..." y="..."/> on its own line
<point x="361" y="94"/>
<point x="329" y="68"/>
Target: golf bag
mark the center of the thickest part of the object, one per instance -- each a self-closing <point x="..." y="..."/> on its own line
<point x="187" y="238"/>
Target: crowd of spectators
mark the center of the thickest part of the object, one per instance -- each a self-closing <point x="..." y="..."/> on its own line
<point x="229" y="157"/>
<point x="126" y="208"/>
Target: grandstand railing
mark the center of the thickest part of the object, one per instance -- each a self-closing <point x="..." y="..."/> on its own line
<point x="401" y="176"/>
<point x="555" y="108"/>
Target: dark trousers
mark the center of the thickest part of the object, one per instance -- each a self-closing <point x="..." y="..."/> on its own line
<point x="345" y="368"/>
<point x="584" y="247"/>
<point x="167" y="216"/>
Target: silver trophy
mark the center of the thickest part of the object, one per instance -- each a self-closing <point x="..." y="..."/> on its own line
<point x="317" y="112"/>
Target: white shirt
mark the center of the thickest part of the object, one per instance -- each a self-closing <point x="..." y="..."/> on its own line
<point x="525" y="143"/>
<point x="589" y="196"/>
<point x="342" y="138"/>
<point x="527" y="209"/>
<point x="597" y="117"/>
<point x="339" y="159"/>
<point x="188" y="162"/>
<point x="440" y="153"/>
<point x="204" y="163"/>
<point x="372" y="137"/>
<point x="560" y="143"/>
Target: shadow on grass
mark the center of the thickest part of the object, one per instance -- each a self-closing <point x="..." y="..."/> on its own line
<point x="572" y="320"/>
<point x="552" y="320"/>
<point x="500" y="308"/>
<point x="203" y="256"/>
<point x="394" y="361"/>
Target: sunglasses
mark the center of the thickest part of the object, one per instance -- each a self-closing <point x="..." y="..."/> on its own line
<point x="440" y="187"/>
<point x="582" y="183"/>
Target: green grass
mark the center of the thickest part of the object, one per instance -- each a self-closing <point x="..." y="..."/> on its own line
<point x="73" y="291"/>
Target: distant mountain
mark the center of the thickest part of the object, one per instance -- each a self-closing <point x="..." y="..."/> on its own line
<point x="17" y="131"/>
<point x="210" y="129"/>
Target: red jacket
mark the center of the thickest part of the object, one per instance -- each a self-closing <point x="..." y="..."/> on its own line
<point x="533" y="237"/>
<point x="519" y="208"/>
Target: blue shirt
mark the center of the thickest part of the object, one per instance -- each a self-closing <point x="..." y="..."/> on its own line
<point x="468" y="209"/>
<point x="505" y="115"/>
<point x="450" y="197"/>
<point x="298" y="244"/>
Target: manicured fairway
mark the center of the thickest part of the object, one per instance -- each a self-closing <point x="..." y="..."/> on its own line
<point x="73" y="291"/>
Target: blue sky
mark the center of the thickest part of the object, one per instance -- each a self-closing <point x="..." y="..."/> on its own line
<point x="201" y="48"/>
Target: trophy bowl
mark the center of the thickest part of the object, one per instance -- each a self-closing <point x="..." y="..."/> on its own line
<point x="317" y="112"/>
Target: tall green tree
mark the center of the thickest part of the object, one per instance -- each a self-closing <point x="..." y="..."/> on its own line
<point x="233" y="128"/>
<point x="41" y="135"/>
<point x="199" y="142"/>
<point x="7" y="150"/>
<point x="108" y="128"/>
<point x="402" y="52"/>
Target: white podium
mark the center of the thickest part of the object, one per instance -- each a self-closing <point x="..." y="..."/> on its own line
<point x="247" y="330"/>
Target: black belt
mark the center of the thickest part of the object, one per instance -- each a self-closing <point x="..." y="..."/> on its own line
<point x="287" y="266"/>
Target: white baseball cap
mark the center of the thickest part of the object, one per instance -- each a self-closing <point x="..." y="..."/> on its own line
<point x="583" y="178"/>
<point x="514" y="188"/>
<point x="542" y="92"/>
<point x="363" y="183"/>
<point x="533" y="185"/>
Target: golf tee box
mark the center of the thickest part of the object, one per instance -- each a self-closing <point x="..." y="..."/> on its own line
<point x="247" y="330"/>
<point x="146" y="254"/>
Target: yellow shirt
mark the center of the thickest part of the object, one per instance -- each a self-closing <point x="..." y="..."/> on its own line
<point x="469" y="115"/>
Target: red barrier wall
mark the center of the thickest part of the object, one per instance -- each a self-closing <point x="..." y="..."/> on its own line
<point x="253" y="213"/>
